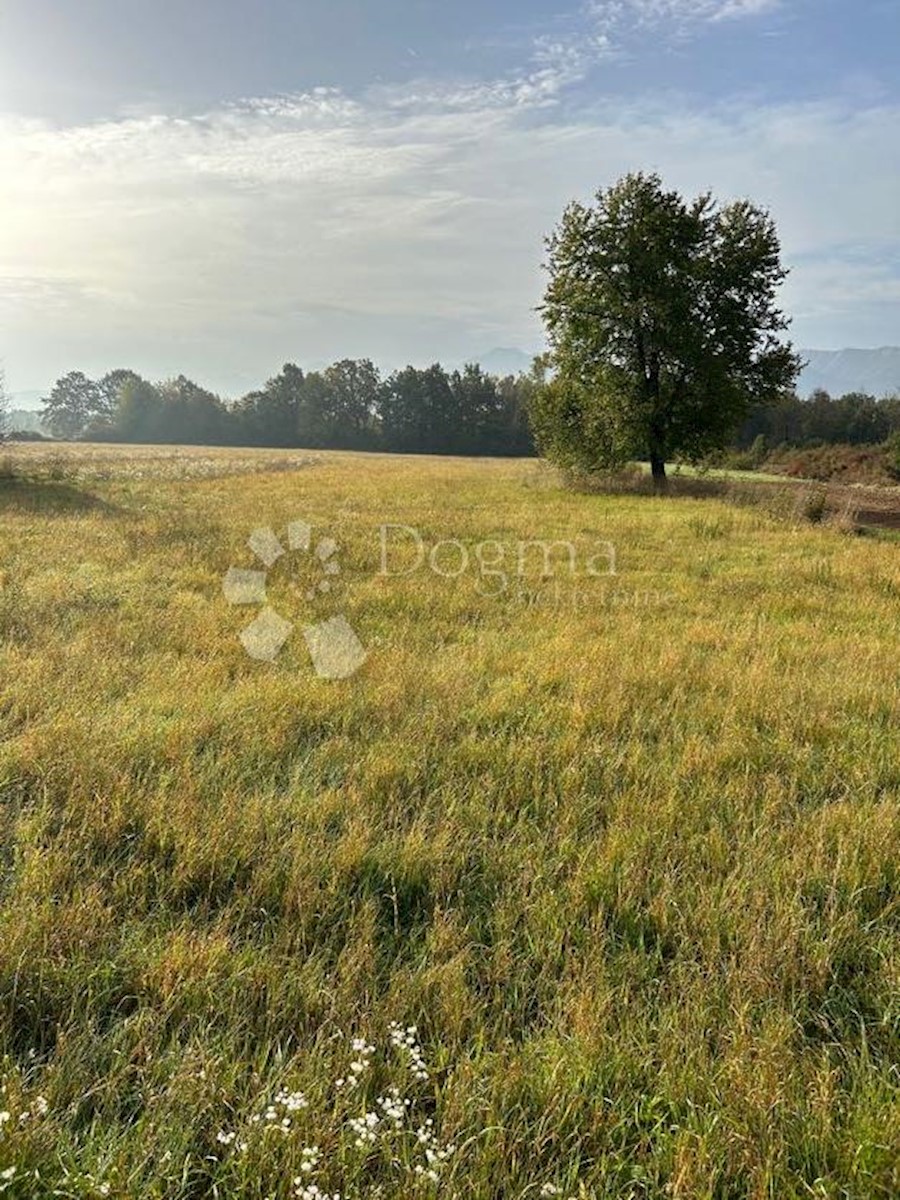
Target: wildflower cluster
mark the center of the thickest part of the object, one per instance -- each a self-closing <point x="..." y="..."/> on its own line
<point x="280" y="1113"/>
<point x="21" y="1111"/>
<point x="407" y="1041"/>
<point x="363" y="1051"/>
<point x="228" y="1137"/>
<point x="303" y="1188"/>
<point x="394" y="1106"/>
<point x="435" y="1154"/>
<point x="379" y="1136"/>
<point x="311" y="1192"/>
<point x="373" y="1138"/>
<point x="38" y="1109"/>
<point x="365" y="1129"/>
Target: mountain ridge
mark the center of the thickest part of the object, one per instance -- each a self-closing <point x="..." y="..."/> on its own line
<point x="851" y="369"/>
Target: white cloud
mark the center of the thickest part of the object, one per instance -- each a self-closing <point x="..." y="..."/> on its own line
<point x="404" y="224"/>
<point x="617" y="14"/>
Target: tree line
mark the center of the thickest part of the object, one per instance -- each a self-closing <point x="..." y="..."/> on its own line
<point x="347" y="406"/>
<point x="854" y="419"/>
<point x="430" y="411"/>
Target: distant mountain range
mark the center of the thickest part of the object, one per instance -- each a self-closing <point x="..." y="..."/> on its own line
<point x="839" y="371"/>
<point x="835" y="371"/>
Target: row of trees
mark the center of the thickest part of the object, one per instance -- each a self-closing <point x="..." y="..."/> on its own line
<point x="855" y="419"/>
<point x="665" y="342"/>
<point x="347" y="406"/>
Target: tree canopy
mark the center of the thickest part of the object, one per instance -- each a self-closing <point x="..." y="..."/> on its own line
<point x="346" y="406"/>
<point x="662" y="325"/>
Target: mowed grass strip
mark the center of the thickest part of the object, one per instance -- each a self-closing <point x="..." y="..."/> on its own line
<point x="623" y="848"/>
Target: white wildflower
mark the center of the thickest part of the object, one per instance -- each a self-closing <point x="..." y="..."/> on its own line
<point x="393" y="1106"/>
<point x="292" y="1101"/>
<point x="407" y="1042"/>
<point x="309" y="1159"/>
<point x="309" y="1191"/>
<point x="365" y="1129"/>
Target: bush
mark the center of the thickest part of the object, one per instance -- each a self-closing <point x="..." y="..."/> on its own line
<point x="750" y="459"/>
<point x="842" y="464"/>
<point x="812" y="505"/>
<point x="893" y="456"/>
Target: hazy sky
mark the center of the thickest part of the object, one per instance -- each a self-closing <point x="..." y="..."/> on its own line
<point x="218" y="186"/>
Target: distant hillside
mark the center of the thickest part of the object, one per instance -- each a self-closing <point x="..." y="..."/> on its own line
<point x="24" y="420"/>
<point x="31" y="401"/>
<point x="839" y="371"/>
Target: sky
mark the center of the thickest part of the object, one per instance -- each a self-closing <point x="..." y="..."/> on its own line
<point x="221" y="186"/>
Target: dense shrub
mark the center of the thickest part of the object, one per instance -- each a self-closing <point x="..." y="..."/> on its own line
<point x="843" y="464"/>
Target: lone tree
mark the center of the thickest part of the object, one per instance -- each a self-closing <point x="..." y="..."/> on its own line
<point x="662" y="324"/>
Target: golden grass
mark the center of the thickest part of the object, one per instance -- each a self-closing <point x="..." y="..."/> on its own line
<point x="628" y="860"/>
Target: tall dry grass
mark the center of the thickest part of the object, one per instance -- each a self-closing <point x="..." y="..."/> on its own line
<point x="624" y="853"/>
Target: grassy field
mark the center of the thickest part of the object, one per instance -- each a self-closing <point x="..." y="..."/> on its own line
<point x="617" y="853"/>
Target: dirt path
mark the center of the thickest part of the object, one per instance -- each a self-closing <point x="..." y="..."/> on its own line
<point x="874" y="507"/>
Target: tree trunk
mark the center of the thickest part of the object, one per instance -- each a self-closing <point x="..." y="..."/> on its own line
<point x="658" y="471"/>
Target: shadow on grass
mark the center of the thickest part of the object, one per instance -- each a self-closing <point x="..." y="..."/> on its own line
<point x="850" y="509"/>
<point x="48" y="496"/>
<point x="635" y="482"/>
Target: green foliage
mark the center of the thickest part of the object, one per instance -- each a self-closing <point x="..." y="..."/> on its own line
<point x="140" y="415"/>
<point x="347" y="406"/>
<point x="853" y="419"/>
<point x="575" y="431"/>
<point x="812" y="505"/>
<point x="662" y="325"/>
<point x="758" y="451"/>
<point x="750" y="459"/>
<point x="893" y="450"/>
<point x="73" y="403"/>
<point x="351" y="391"/>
